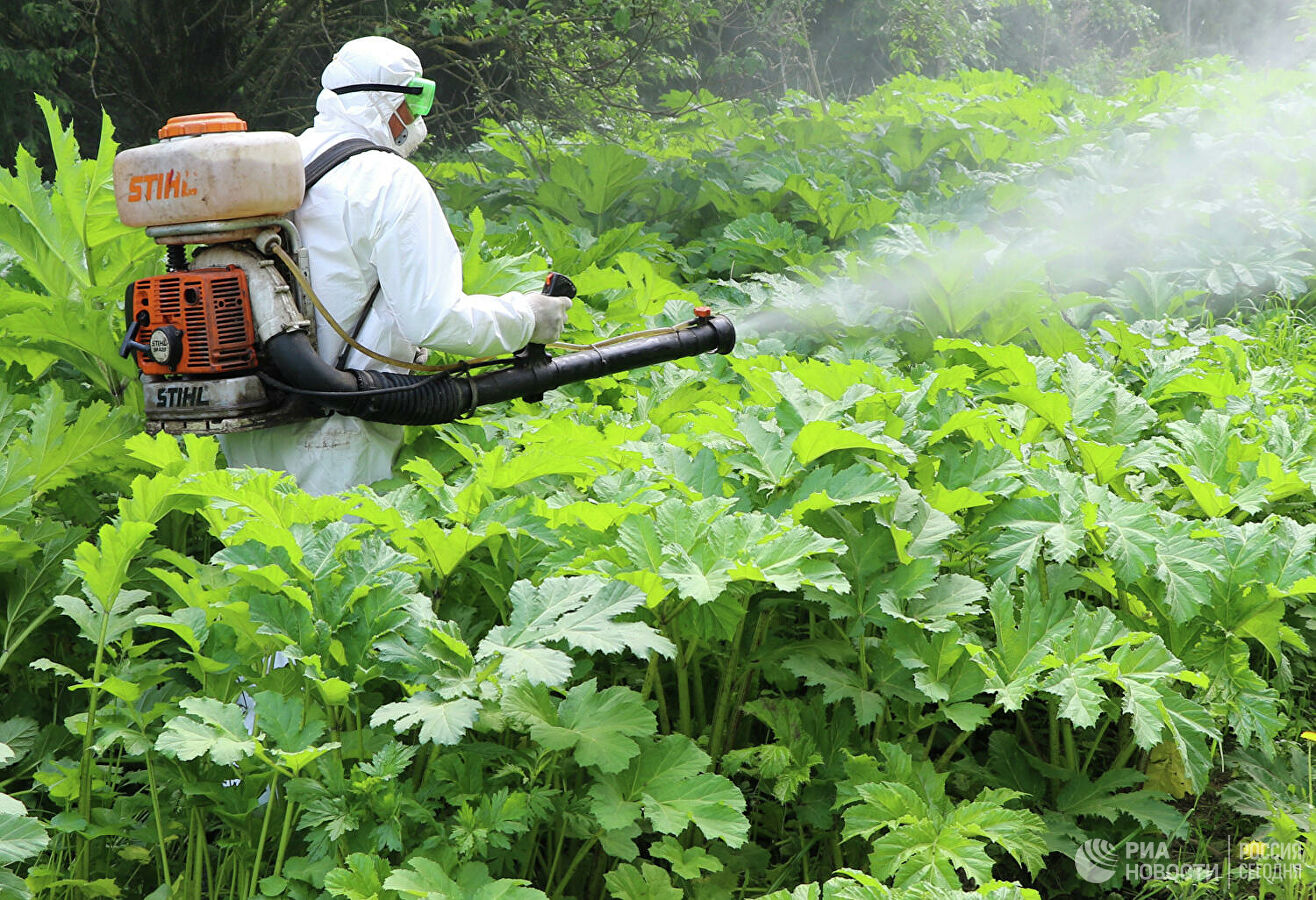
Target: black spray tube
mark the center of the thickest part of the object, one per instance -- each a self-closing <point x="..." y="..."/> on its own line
<point x="398" y="399"/>
<point x="441" y="399"/>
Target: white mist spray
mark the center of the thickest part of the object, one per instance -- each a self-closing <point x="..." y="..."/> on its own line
<point x="1206" y="192"/>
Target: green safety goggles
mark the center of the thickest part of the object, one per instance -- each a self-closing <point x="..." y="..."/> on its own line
<point x="419" y="91"/>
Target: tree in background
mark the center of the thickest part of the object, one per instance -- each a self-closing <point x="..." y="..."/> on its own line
<point x="846" y="47"/>
<point x="144" y="61"/>
<point x="563" y="62"/>
<point x="1094" y="39"/>
<point x="37" y="43"/>
<point x="1259" y="29"/>
<point x="842" y="47"/>
<point x="566" y="63"/>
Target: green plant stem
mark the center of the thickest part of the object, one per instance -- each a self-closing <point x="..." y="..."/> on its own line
<point x="1123" y="756"/>
<point x="424" y="768"/>
<point x="159" y="820"/>
<point x="23" y="635"/>
<point x="1027" y="732"/>
<point x="1123" y="596"/>
<point x="188" y="859"/>
<point x="285" y="835"/>
<point x="1096" y="743"/>
<point x="863" y="655"/>
<point x="750" y="673"/>
<point x="670" y="617"/>
<point x="88" y="739"/>
<point x="804" y="850"/>
<point x="221" y="875"/>
<point x="533" y="853"/>
<point x="1075" y="460"/>
<point x="237" y="878"/>
<point x="1071" y="752"/>
<point x="722" y="705"/>
<point x="208" y="869"/>
<point x="557" y="853"/>
<point x="951" y="749"/>
<point x="575" y="864"/>
<point x="654" y="677"/>
<point x="697" y="683"/>
<point x="597" y="872"/>
<point x="682" y="691"/>
<point x="1053" y="731"/>
<point x="264" y="831"/>
<point x="198" y="864"/>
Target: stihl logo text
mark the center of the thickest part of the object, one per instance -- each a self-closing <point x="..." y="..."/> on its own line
<point x="175" y="397"/>
<point x="158" y="186"/>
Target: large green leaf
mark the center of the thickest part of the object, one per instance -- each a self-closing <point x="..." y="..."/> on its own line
<point x="1130" y="535"/>
<point x="69" y="240"/>
<point x="431" y="881"/>
<point x="1192" y="730"/>
<point x="919" y="836"/>
<point x="211" y="729"/>
<point x="21" y="836"/>
<point x="599" y="727"/>
<point x="648" y="882"/>
<point x="579" y="612"/>
<point x="710" y="802"/>
<point x="585" y="188"/>
<point x="1023" y="639"/>
<point x="106" y="623"/>
<point x="441" y="721"/>
<point x="667" y="784"/>
<point x="1031" y="528"/>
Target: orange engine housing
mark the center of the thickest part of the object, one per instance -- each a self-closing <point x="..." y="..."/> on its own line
<point x="212" y="309"/>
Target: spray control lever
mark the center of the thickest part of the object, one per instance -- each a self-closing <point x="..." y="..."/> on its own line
<point x="555" y="285"/>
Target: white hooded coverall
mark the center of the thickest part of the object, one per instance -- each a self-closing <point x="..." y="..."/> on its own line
<point x="374" y="219"/>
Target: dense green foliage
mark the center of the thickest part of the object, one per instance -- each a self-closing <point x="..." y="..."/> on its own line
<point x="968" y="554"/>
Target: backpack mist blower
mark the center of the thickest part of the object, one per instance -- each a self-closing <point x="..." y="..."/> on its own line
<point x="225" y="341"/>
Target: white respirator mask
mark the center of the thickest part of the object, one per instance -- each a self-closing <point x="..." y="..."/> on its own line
<point x="411" y="137"/>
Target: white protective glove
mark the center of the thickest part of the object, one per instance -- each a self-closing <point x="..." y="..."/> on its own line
<point x="550" y="317"/>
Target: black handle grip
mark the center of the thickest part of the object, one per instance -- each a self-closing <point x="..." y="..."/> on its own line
<point x="559" y="285"/>
<point x="555" y="285"/>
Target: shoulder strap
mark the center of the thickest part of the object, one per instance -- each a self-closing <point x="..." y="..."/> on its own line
<point x="330" y="158"/>
<point x="317" y="169"/>
<point x="356" y="332"/>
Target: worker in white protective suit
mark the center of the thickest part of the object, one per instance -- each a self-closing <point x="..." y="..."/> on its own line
<point x="374" y="220"/>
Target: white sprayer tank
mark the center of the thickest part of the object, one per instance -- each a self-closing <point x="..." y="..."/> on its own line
<point x="208" y="168"/>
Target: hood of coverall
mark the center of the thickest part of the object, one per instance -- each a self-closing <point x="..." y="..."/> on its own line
<point x="367" y="60"/>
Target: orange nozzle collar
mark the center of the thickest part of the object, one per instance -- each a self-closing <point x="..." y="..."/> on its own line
<point x="204" y="123"/>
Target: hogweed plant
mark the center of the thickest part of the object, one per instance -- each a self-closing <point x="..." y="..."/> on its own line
<point x="862" y="610"/>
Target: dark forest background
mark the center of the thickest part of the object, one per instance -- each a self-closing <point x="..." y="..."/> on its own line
<point x="573" y="62"/>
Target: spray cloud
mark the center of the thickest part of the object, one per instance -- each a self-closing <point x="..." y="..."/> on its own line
<point x="1193" y="188"/>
